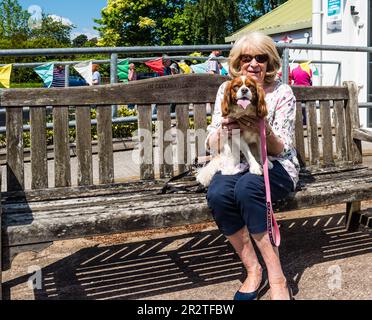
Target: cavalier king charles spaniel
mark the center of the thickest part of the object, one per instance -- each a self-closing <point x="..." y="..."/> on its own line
<point x="242" y="97"/>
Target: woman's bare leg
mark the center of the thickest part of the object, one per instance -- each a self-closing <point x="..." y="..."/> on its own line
<point x="270" y="254"/>
<point x="244" y="248"/>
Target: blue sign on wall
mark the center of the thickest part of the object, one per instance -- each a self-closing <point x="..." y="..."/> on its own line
<point x="334" y="7"/>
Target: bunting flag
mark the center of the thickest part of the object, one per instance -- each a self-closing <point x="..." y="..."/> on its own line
<point x="225" y="66"/>
<point x="123" y="67"/>
<point x="200" y="67"/>
<point x="185" y="67"/>
<point x="85" y="70"/>
<point x="286" y="39"/>
<point x="156" y="65"/>
<point x="5" y="73"/>
<point x="315" y="70"/>
<point x="45" y="72"/>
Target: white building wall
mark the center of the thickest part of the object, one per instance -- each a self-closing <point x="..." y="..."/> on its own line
<point x="354" y="33"/>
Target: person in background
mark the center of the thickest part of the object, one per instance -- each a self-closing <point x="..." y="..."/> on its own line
<point x="58" y="77"/>
<point x="132" y="74"/>
<point x="301" y="76"/>
<point x="213" y="64"/>
<point x="96" y="78"/>
<point x="174" y="68"/>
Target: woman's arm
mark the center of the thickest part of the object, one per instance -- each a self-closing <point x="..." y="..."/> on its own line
<point x="283" y="125"/>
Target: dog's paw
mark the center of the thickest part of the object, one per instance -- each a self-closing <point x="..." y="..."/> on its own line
<point x="255" y="169"/>
<point x="270" y="165"/>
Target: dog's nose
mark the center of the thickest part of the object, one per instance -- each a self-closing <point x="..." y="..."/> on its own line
<point x="244" y="90"/>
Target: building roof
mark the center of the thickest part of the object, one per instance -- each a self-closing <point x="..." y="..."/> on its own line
<point x="290" y="16"/>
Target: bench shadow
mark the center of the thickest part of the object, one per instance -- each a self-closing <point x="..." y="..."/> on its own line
<point x="148" y="268"/>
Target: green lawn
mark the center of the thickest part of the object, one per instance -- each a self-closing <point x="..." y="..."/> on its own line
<point x="27" y="85"/>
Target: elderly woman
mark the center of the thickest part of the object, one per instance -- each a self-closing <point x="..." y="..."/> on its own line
<point x="238" y="202"/>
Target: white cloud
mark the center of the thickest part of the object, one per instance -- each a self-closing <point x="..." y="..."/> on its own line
<point x="65" y="21"/>
<point x="90" y="33"/>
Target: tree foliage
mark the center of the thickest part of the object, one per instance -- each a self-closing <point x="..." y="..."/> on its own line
<point x="168" y="22"/>
<point x="79" y="41"/>
<point x="253" y="9"/>
<point x="52" y="29"/>
<point x="13" y="20"/>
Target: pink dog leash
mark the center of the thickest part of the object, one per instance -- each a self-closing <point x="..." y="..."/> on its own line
<point x="272" y="226"/>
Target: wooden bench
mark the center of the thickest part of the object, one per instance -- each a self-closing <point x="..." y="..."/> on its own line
<point x="332" y="169"/>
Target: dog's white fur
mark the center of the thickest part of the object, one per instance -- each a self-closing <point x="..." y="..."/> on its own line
<point x="249" y="142"/>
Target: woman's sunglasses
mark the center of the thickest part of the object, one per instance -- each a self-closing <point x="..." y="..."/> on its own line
<point x="260" y="58"/>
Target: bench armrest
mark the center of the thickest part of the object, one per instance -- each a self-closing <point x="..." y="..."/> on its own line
<point x="362" y="134"/>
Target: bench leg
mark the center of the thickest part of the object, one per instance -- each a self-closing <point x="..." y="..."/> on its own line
<point x="352" y="215"/>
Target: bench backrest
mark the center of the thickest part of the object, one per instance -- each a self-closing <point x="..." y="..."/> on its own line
<point x="338" y="110"/>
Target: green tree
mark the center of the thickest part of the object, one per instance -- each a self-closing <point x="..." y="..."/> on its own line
<point x="141" y="22"/>
<point x="52" y="29"/>
<point x="254" y="9"/>
<point x="213" y="20"/>
<point x="79" y="41"/>
<point x="13" y="20"/>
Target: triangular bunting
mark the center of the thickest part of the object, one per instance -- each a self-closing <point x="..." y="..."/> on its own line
<point x="185" y="67"/>
<point x="156" y="65"/>
<point x="5" y="73"/>
<point x="123" y="67"/>
<point x="200" y="68"/>
<point x="45" y="72"/>
<point x="85" y="70"/>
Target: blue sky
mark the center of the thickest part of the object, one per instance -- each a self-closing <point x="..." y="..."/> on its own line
<point x="80" y="12"/>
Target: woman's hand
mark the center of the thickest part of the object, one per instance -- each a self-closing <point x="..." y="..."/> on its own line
<point x="229" y="124"/>
<point x="253" y="124"/>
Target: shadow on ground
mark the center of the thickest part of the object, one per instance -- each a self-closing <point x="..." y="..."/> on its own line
<point x="144" y="269"/>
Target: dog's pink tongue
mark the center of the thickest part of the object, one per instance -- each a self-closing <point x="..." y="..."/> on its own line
<point x="243" y="103"/>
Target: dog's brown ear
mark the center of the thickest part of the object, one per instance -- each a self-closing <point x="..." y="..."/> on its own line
<point x="261" y="103"/>
<point x="226" y="100"/>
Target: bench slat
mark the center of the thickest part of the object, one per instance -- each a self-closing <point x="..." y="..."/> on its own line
<point x="165" y="141"/>
<point x="14" y="149"/>
<point x="105" y="147"/>
<point x="84" y="146"/>
<point x="339" y="123"/>
<point x="183" y="147"/>
<point x="200" y="125"/>
<point x="183" y="88"/>
<point x="352" y="122"/>
<point x="62" y="164"/>
<point x="299" y="134"/>
<point x="312" y="133"/>
<point x="320" y="93"/>
<point x="325" y="120"/>
<point x="39" y="158"/>
<point x="145" y="143"/>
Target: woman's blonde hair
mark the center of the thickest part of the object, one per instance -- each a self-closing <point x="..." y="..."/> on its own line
<point x="255" y="43"/>
<point x="95" y="67"/>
